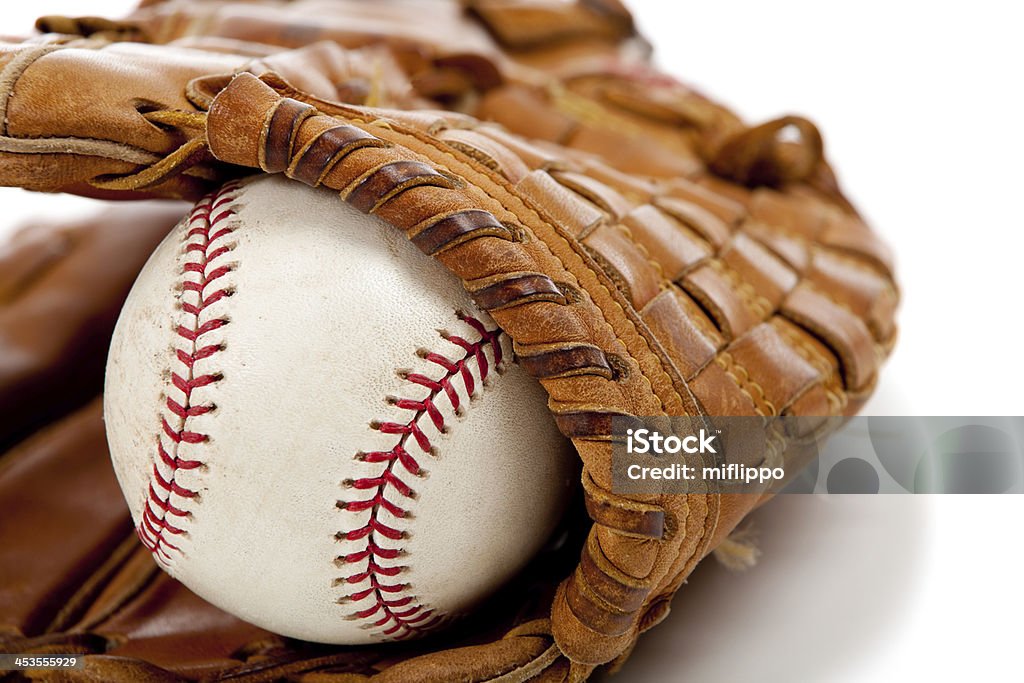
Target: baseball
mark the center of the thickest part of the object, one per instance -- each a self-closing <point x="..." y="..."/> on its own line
<point x="316" y="429"/>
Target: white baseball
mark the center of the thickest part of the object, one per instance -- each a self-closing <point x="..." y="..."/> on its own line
<point x="308" y="435"/>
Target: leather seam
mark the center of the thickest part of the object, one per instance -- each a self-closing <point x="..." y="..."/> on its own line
<point x="827" y="374"/>
<point x="734" y="369"/>
<point x="399" y="613"/>
<point x="154" y="524"/>
<point x="443" y="148"/>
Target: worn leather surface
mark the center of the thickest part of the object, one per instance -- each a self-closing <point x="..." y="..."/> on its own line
<point x="57" y="309"/>
<point x="648" y="252"/>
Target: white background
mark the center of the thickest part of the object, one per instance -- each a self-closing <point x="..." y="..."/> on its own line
<point x="921" y="108"/>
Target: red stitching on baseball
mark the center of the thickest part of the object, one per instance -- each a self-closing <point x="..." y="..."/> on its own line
<point x="201" y="251"/>
<point x="415" y="618"/>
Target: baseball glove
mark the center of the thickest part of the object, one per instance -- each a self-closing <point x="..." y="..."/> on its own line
<point x="648" y="253"/>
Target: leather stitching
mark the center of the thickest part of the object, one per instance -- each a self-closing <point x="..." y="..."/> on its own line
<point x="828" y="376"/>
<point x="398" y="613"/>
<point x="167" y="506"/>
<point x="741" y="376"/>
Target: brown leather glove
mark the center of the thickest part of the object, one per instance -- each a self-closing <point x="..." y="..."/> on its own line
<point x="573" y="73"/>
<point x="61" y="288"/>
<point x="722" y="275"/>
